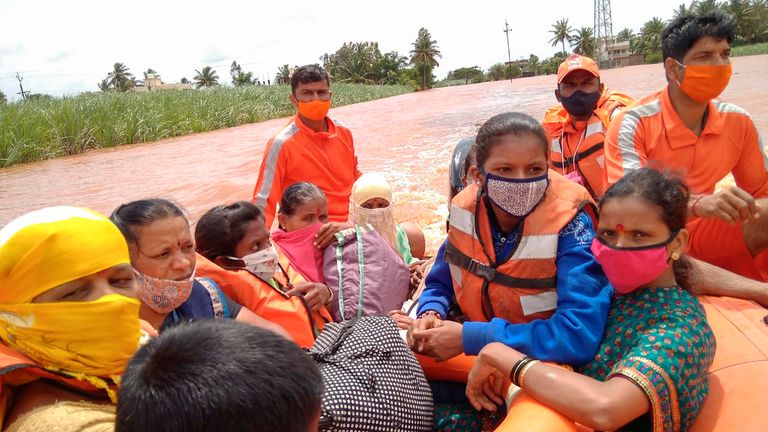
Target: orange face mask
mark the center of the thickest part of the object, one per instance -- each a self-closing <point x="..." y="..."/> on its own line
<point x="315" y="110"/>
<point x="703" y="83"/>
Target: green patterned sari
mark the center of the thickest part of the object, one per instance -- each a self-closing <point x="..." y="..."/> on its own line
<point x="659" y="339"/>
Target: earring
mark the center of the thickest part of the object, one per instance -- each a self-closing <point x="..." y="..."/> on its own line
<point x="675" y="256"/>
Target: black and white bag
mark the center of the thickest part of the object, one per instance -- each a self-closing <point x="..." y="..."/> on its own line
<point x="372" y="380"/>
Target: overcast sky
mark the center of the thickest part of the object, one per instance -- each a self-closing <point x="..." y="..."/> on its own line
<point x="64" y="47"/>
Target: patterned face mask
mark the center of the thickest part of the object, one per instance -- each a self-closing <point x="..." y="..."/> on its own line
<point x="517" y="197"/>
<point x="163" y="295"/>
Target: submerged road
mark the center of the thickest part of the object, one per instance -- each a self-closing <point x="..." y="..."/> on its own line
<point x="407" y="138"/>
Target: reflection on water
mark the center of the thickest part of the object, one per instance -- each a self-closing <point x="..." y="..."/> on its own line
<point x="409" y="139"/>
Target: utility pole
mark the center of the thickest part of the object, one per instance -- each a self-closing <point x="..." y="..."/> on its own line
<point x="22" y="92"/>
<point x="509" y="53"/>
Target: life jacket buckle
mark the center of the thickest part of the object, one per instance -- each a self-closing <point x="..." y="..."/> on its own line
<point x="479" y="269"/>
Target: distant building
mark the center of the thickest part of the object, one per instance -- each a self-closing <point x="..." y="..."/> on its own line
<point x="619" y="55"/>
<point x="153" y="83"/>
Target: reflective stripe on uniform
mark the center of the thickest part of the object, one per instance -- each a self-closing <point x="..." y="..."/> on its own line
<point x="630" y="160"/>
<point x="594" y="128"/>
<point x="537" y="247"/>
<point x="543" y="302"/>
<point x="268" y="174"/>
<point x="462" y="220"/>
<point x="556" y="146"/>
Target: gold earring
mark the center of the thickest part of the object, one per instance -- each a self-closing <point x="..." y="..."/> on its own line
<point x="675" y="256"/>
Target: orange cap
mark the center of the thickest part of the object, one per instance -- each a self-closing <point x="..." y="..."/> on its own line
<point x="577" y="62"/>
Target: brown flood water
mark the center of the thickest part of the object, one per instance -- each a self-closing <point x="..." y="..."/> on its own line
<point x="407" y="138"/>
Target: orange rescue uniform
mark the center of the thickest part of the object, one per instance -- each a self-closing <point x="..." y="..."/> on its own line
<point x="266" y="301"/>
<point x="650" y="132"/>
<point x="297" y="153"/>
<point x="578" y="146"/>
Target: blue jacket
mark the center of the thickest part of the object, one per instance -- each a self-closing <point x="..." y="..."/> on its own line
<point x="572" y="335"/>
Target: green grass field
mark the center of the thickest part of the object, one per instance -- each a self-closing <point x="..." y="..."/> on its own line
<point x="45" y="129"/>
<point x="747" y="50"/>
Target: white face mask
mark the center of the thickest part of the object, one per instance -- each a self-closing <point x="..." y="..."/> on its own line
<point x="381" y="219"/>
<point x="262" y="264"/>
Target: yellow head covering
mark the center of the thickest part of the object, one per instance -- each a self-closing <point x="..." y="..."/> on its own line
<point x="369" y="186"/>
<point x="46" y="248"/>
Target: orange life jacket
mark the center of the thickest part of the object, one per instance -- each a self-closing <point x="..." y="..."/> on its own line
<point x="580" y="149"/>
<point x="16" y="370"/>
<point x="523" y="287"/>
<point x="266" y="301"/>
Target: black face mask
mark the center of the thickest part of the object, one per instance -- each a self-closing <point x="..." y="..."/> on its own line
<point x="580" y="104"/>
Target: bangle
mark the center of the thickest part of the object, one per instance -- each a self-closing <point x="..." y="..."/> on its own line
<point x="430" y="312"/>
<point x="330" y="294"/>
<point x="517" y="367"/>
<point x="525" y="370"/>
<point x="693" y="205"/>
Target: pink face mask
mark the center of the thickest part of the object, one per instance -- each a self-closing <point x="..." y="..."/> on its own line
<point x="628" y="269"/>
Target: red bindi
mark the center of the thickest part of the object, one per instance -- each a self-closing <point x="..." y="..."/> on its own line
<point x="619" y="227"/>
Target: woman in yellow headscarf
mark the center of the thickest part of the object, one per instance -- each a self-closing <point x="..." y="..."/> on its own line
<point x="371" y="203"/>
<point x="68" y="322"/>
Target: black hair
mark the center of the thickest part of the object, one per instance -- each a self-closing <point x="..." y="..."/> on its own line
<point x="500" y="125"/>
<point x="219" y="375"/>
<point x="683" y="32"/>
<point x="665" y="190"/>
<point x="298" y="194"/>
<point x="308" y="74"/>
<point x="141" y="213"/>
<point x="221" y="228"/>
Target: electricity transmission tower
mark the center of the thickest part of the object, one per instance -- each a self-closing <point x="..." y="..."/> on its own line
<point x="603" y="31"/>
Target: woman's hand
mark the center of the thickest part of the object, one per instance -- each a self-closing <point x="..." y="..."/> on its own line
<point x="441" y="342"/>
<point x="402" y="320"/>
<point x="416" y="276"/>
<point x="423" y="323"/>
<point x="327" y="233"/>
<point x="486" y="381"/>
<point x="316" y="294"/>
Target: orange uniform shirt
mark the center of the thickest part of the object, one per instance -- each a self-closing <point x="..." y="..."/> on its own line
<point x="651" y="132"/>
<point x="297" y="153"/>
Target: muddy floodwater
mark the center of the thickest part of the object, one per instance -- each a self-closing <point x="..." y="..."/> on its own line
<point x="407" y="138"/>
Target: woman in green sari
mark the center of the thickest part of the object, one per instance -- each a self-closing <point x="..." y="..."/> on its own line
<point x="650" y="372"/>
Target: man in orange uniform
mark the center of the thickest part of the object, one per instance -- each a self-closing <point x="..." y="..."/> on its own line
<point x="576" y="125"/>
<point x="682" y="128"/>
<point x="312" y="147"/>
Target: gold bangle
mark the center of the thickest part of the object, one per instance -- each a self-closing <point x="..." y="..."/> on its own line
<point x="525" y="370"/>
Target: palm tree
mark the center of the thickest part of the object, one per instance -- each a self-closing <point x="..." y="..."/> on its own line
<point x="423" y="55"/>
<point x="207" y="78"/>
<point x="625" y="35"/>
<point x="283" y="75"/>
<point x="562" y="33"/>
<point x="3" y="99"/>
<point x="534" y="64"/>
<point x="681" y="10"/>
<point x="104" y="85"/>
<point x="706" y="7"/>
<point x="584" y="42"/>
<point x="120" y="78"/>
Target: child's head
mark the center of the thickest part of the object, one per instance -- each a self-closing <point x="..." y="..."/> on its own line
<point x="645" y="209"/>
<point x="303" y="204"/>
<point x="219" y="375"/>
<point x="511" y="163"/>
<point x="233" y="230"/>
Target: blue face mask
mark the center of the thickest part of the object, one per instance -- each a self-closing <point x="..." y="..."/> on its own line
<point x="517" y="197"/>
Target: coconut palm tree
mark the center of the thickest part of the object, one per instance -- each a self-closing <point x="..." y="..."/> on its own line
<point x="584" y="42"/>
<point x="283" y="75"/>
<point x="625" y="35"/>
<point x="120" y="78"/>
<point x="706" y="7"/>
<point x="207" y="78"/>
<point x="562" y="33"/>
<point x="682" y="10"/>
<point x="424" y="54"/>
<point x="104" y="85"/>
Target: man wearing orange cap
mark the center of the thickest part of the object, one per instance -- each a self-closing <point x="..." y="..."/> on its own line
<point x="685" y="129"/>
<point x="312" y="147"/>
<point x="576" y="125"/>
